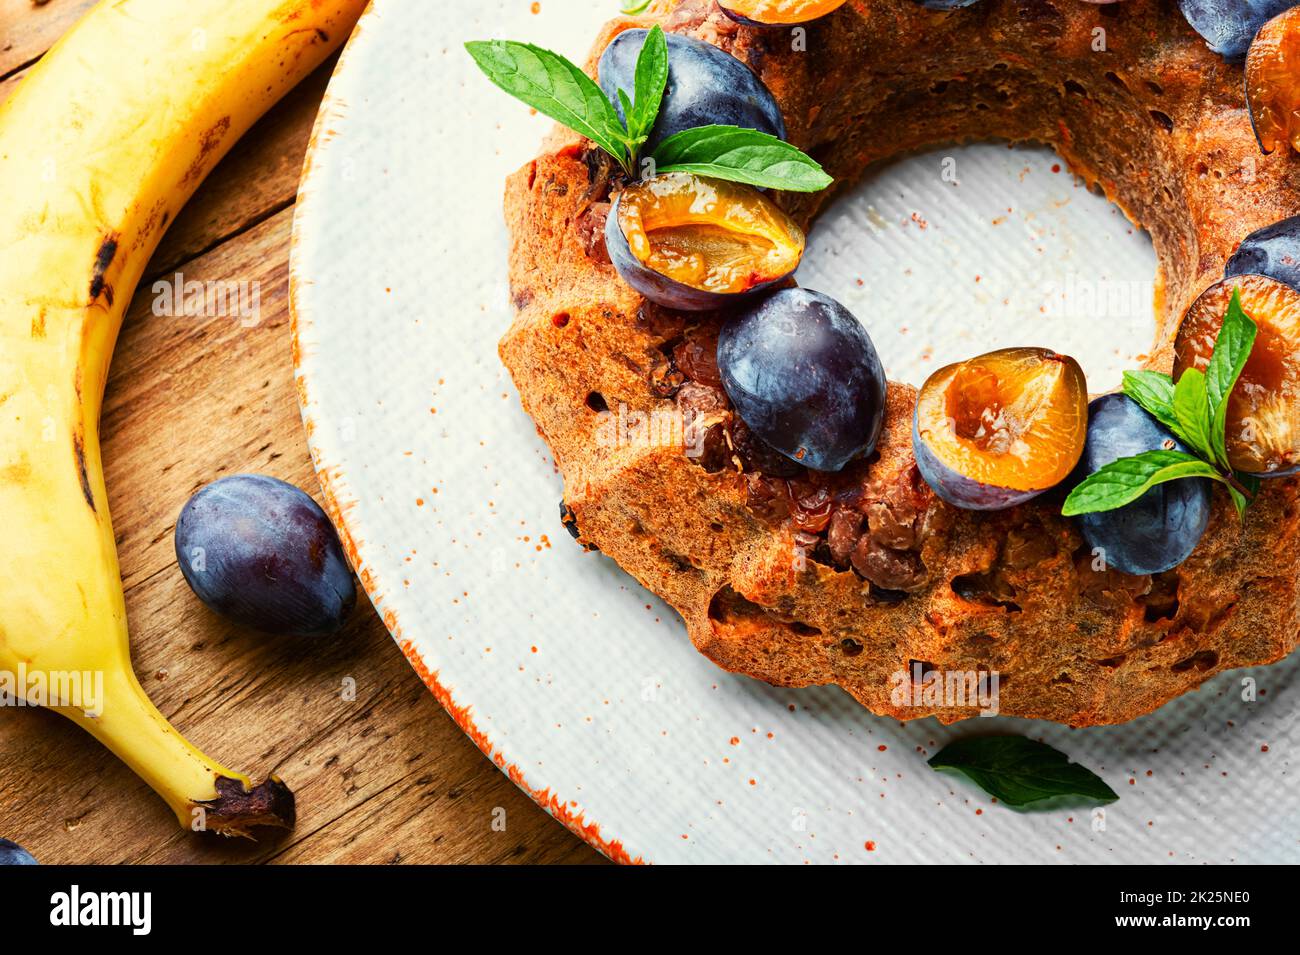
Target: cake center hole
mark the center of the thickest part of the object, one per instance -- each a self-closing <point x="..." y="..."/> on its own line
<point x="960" y="250"/>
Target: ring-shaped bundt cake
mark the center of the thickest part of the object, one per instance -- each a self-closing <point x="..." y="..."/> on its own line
<point x="797" y="577"/>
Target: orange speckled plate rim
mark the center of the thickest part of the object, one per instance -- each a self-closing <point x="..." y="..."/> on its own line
<point x="339" y="501"/>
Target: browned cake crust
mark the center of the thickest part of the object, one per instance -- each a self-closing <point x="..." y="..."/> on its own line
<point x="797" y="578"/>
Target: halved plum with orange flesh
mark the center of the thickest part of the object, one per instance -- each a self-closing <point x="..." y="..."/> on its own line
<point x="1273" y="82"/>
<point x="694" y="243"/>
<point x="772" y="13"/>
<point x="1263" y="430"/>
<point x="994" y="431"/>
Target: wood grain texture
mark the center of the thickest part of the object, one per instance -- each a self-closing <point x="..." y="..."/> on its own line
<point x="385" y="777"/>
<point x="27" y="29"/>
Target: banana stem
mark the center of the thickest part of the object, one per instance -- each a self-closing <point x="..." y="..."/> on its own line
<point x="202" y="793"/>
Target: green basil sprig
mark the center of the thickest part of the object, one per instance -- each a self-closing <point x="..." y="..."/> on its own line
<point x="650" y="80"/>
<point x="741" y="155"/>
<point x="558" y="88"/>
<point x="1196" y="411"/>
<point x="554" y="87"/>
<point x="1019" y="771"/>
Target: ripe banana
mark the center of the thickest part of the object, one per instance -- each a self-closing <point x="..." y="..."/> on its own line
<point x="100" y="145"/>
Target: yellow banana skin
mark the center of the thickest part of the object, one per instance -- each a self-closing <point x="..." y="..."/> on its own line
<point x="100" y="145"/>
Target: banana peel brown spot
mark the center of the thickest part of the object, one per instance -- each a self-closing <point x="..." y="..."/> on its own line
<point x="79" y="449"/>
<point x="209" y="142"/>
<point x="38" y="324"/>
<point x="316" y="36"/>
<point x="19" y="473"/>
<point x="237" y="808"/>
<point x="155" y="221"/>
<point x="289" y="11"/>
<point x="103" y="259"/>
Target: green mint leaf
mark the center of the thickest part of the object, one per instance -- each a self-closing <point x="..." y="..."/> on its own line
<point x="1019" y="771"/>
<point x="1239" y="500"/>
<point x="740" y="155"/>
<point x="554" y="87"/>
<point x="651" y="81"/>
<point x="1124" y="481"/>
<point x="1192" y="410"/>
<point x="1154" y="391"/>
<point x="1232" y="349"/>
<point x="635" y="8"/>
<point x="1243" y="488"/>
<point x="625" y="102"/>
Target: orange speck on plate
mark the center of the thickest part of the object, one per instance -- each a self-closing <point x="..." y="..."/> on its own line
<point x="534" y="649"/>
<point x="537" y="8"/>
<point x="419" y="502"/>
<point x="869" y="846"/>
<point x="882" y="747"/>
<point x="735" y="741"/>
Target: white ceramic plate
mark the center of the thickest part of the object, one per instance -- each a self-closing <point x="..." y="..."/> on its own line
<point x="572" y="678"/>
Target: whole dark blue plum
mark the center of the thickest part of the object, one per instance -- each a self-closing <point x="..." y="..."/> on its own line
<point x="13" y="854"/>
<point x="803" y="375"/>
<point x="1228" y="26"/>
<point x="706" y="87"/>
<point x="1273" y="251"/>
<point x="1159" y="530"/>
<point x="262" y="553"/>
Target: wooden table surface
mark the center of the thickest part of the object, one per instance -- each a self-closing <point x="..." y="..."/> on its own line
<point x="387" y="777"/>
